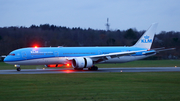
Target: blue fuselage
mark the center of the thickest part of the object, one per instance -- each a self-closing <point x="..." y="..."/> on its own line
<point x="24" y="54"/>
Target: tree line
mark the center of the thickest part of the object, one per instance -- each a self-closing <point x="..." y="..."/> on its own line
<point x="46" y="35"/>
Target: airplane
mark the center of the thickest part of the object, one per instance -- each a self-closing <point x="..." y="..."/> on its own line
<point x="84" y="57"/>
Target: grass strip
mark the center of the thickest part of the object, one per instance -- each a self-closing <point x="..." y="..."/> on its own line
<point x="91" y="86"/>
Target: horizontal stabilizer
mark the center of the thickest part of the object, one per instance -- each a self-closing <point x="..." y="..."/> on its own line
<point x="165" y="49"/>
<point x="158" y="48"/>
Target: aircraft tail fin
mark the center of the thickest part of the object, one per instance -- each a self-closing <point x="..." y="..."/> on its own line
<point x="146" y="39"/>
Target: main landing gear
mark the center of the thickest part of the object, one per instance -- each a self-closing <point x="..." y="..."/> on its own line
<point x="17" y="67"/>
<point x="93" y="68"/>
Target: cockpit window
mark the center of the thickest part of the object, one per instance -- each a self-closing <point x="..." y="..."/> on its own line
<point x="12" y="54"/>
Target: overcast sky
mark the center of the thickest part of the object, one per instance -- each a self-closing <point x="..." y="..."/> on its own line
<point x="122" y="14"/>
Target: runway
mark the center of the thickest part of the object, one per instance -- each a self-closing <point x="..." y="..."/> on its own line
<point x="101" y="70"/>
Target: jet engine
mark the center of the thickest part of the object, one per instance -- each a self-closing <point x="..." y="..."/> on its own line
<point x="81" y="62"/>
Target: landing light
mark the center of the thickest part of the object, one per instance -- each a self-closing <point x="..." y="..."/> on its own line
<point x="35" y="46"/>
<point x="16" y="65"/>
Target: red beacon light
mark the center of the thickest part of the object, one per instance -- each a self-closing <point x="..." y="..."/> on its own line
<point x="35" y="47"/>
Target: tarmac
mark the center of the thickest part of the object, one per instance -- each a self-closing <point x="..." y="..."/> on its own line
<point x="100" y="70"/>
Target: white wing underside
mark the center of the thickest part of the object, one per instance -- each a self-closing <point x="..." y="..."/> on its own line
<point x="102" y="57"/>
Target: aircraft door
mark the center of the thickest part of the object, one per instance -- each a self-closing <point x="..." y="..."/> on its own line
<point x="99" y="52"/>
<point x="24" y="55"/>
<point x="56" y="53"/>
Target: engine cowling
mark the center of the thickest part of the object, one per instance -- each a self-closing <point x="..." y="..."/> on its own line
<point x="81" y="62"/>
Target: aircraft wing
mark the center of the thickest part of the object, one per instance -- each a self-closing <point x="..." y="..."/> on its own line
<point x="102" y="57"/>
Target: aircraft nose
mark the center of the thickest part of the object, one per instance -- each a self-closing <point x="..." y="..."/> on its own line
<point x="6" y="59"/>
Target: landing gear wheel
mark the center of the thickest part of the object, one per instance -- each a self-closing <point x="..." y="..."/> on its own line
<point x="18" y="69"/>
<point x="93" y="68"/>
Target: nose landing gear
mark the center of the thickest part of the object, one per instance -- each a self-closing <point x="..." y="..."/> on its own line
<point x="18" y="67"/>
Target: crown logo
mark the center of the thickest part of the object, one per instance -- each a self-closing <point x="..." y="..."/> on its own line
<point x="146" y="37"/>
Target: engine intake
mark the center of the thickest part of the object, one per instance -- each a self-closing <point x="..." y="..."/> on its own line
<point x="81" y="62"/>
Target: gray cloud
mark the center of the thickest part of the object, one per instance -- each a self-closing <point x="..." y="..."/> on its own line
<point x="123" y="14"/>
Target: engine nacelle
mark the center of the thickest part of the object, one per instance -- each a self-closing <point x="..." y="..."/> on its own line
<point x="80" y="62"/>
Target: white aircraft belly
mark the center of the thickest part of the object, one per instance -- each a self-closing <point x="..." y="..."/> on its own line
<point x="42" y="61"/>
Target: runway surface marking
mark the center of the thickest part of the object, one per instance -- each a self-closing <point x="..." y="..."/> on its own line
<point x="101" y="70"/>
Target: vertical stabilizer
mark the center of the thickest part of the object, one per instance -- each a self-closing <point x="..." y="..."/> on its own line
<point x="146" y="39"/>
